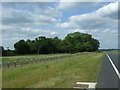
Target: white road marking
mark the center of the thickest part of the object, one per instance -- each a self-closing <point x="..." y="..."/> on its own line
<point x="90" y="85"/>
<point x="116" y="70"/>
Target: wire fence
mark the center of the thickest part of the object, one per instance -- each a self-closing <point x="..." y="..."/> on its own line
<point x="34" y="60"/>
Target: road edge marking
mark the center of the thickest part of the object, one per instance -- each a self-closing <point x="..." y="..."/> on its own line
<point x="116" y="70"/>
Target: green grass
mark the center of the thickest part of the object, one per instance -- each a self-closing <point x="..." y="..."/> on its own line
<point x="23" y="58"/>
<point x="63" y="73"/>
<point x="114" y="51"/>
<point x="28" y="57"/>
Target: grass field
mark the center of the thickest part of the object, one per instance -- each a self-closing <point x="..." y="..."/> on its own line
<point x="113" y="51"/>
<point x="63" y="73"/>
<point x="28" y="57"/>
<point x="116" y="51"/>
<point x="23" y="58"/>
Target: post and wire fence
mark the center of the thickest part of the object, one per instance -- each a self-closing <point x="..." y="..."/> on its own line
<point x="28" y="61"/>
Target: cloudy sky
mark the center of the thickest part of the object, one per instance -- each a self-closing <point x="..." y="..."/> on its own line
<point x="28" y="20"/>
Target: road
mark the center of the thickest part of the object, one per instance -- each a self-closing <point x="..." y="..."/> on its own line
<point x="109" y="74"/>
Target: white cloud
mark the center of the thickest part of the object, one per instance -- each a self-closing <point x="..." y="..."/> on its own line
<point x="40" y="8"/>
<point x="49" y="11"/>
<point x="19" y="17"/>
<point x="25" y="31"/>
<point x="53" y="33"/>
<point x="106" y="30"/>
<point x="40" y="14"/>
<point x="68" y="25"/>
<point x="103" y="18"/>
<point x="110" y="10"/>
<point x="14" y="17"/>
<point x="84" y="31"/>
<point x="73" y="5"/>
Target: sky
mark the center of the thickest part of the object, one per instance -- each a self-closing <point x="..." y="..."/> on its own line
<point x="29" y="20"/>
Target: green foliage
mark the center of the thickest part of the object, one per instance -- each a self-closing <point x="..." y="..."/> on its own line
<point x="22" y="47"/>
<point x="4" y="52"/>
<point x="62" y="73"/>
<point x="79" y="42"/>
<point x="44" y="45"/>
<point x="31" y="44"/>
<point x="57" y="43"/>
<point x="72" y="43"/>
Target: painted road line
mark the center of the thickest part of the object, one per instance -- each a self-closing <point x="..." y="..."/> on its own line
<point x="116" y="70"/>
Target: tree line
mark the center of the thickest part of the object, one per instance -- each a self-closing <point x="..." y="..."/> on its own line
<point x="72" y="43"/>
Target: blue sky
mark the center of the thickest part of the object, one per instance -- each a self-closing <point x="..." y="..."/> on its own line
<point x="28" y="20"/>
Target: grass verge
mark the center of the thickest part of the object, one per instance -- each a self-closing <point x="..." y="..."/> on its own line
<point x="28" y="57"/>
<point x="63" y="73"/>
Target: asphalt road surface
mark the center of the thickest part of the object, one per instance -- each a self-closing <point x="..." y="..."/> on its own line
<point x="109" y="75"/>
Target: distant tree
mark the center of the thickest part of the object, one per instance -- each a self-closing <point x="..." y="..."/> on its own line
<point x="31" y="44"/>
<point x="79" y="42"/>
<point x="66" y="46"/>
<point x="7" y="52"/>
<point x="3" y="52"/>
<point x="72" y="43"/>
<point x="45" y="45"/>
<point x="95" y="44"/>
<point x="49" y="46"/>
<point x="79" y="47"/>
<point x="57" y="44"/>
<point x="21" y="47"/>
<point x="39" y="43"/>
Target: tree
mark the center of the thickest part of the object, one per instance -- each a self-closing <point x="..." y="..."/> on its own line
<point x="45" y="45"/>
<point x="3" y="52"/>
<point x="21" y="47"/>
<point x="79" y="47"/>
<point x="31" y="44"/>
<point x="79" y="42"/>
<point x="49" y="46"/>
<point x="57" y="44"/>
<point x="72" y="43"/>
<point x="95" y="44"/>
<point x="39" y="43"/>
<point x="7" y="52"/>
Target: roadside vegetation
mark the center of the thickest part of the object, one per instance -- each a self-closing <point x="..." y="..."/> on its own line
<point x="115" y="51"/>
<point x="112" y="51"/>
<point x="72" y="43"/>
<point x="14" y="61"/>
<point x="28" y="57"/>
<point x="63" y="73"/>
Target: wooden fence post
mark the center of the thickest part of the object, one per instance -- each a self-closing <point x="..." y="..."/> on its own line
<point x="21" y="62"/>
<point x="15" y="63"/>
<point x="26" y="61"/>
<point x="31" y="61"/>
<point x="8" y="64"/>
